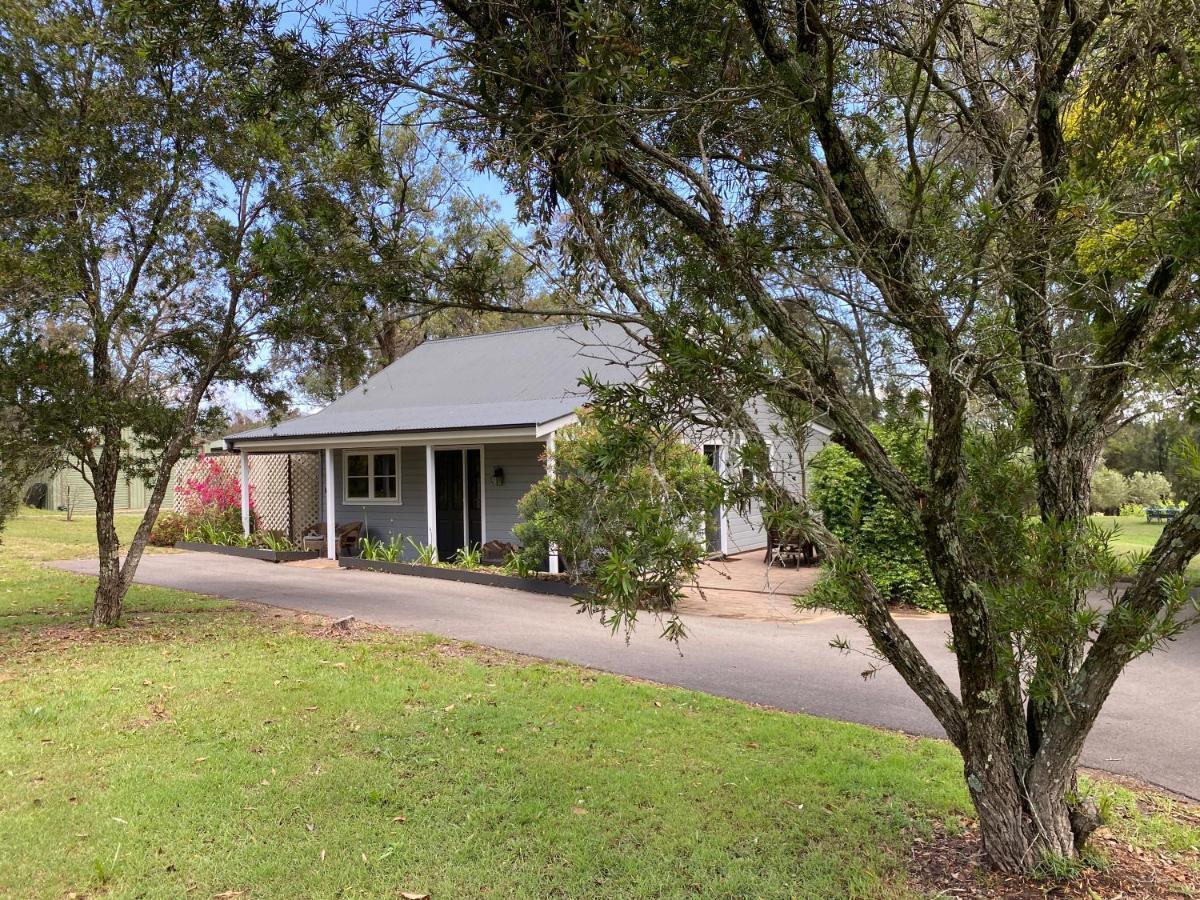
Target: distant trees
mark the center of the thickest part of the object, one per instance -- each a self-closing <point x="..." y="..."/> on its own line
<point x="142" y="148"/>
<point x="1109" y="490"/>
<point x="1152" y="444"/>
<point x="1149" y="488"/>
<point x="382" y="245"/>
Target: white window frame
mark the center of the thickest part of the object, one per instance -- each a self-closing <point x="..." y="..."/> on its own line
<point x="370" y="500"/>
<point x="722" y="517"/>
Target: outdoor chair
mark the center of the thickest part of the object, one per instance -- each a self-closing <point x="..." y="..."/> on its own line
<point x="348" y="537"/>
<point x="496" y="553"/>
<point x="789" y="548"/>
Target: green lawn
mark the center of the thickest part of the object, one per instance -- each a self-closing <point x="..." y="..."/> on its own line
<point x="206" y="748"/>
<point x="1135" y="535"/>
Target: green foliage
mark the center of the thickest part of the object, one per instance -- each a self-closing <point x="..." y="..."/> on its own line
<point x="214" y="522"/>
<point x="518" y="564"/>
<point x="469" y="557"/>
<point x="380" y="550"/>
<point x="412" y="251"/>
<point x="626" y="510"/>
<point x="885" y="543"/>
<point x="426" y="554"/>
<point x="269" y="540"/>
<point x="163" y="128"/>
<point x="1149" y="489"/>
<point x="1109" y="490"/>
<point x="1054" y="559"/>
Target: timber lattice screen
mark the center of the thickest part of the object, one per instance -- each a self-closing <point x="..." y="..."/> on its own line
<point x="285" y="487"/>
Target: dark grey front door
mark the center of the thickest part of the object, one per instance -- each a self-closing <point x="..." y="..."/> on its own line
<point x="459" y="502"/>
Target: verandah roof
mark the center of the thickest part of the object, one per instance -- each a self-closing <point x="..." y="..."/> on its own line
<point x="507" y="379"/>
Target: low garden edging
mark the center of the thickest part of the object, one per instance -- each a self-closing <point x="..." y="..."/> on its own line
<point x="275" y="556"/>
<point x="467" y="576"/>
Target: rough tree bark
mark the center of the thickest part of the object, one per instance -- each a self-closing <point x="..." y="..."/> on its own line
<point x="1000" y="107"/>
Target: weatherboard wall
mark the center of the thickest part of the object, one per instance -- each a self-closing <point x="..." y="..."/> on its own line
<point x="522" y="465"/>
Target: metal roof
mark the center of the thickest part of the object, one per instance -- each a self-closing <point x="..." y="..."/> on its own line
<point x="503" y="379"/>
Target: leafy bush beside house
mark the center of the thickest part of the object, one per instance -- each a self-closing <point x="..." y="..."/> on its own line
<point x="855" y="509"/>
<point x="626" y="510"/>
<point x="210" y="500"/>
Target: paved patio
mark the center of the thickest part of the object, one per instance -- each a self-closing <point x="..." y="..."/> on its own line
<point x="743" y="586"/>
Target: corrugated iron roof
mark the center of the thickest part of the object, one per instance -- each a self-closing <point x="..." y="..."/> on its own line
<point x="502" y="379"/>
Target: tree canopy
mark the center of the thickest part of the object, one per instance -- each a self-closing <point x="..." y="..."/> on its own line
<point x="142" y="150"/>
<point x="380" y="246"/>
<point x="994" y="206"/>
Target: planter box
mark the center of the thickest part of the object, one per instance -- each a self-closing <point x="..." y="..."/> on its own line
<point x="275" y="556"/>
<point x="467" y="576"/>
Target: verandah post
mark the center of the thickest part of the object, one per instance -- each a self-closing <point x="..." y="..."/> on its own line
<point x="553" y="561"/>
<point x="430" y="499"/>
<point x="245" y="486"/>
<point x="330" y="507"/>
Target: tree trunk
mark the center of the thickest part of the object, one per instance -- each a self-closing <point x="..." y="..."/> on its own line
<point x="1022" y="822"/>
<point x="106" y="607"/>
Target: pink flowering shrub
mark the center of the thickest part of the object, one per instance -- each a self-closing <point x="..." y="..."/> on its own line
<point x="214" y="494"/>
<point x="212" y="489"/>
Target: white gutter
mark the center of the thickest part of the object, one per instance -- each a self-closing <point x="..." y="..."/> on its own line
<point x="385" y="439"/>
<point x="548" y="428"/>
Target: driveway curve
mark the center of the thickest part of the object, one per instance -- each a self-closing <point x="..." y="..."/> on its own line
<point x="1149" y="729"/>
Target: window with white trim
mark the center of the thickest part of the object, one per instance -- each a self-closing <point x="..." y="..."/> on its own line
<point x="371" y="476"/>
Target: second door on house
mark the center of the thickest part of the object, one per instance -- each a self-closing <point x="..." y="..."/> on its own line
<point x="458" y="485"/>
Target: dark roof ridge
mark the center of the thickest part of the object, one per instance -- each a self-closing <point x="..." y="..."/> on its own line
<point x="487" y="334"/>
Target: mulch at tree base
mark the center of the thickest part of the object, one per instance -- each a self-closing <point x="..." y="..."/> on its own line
<point x="952" y="865"/>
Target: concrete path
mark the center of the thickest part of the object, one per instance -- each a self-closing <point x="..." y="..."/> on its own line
<point x="1150" y="727"/>
<point x="741" y="586"/>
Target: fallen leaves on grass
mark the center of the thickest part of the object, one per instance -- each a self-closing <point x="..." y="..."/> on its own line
<point x="952" y="865"/>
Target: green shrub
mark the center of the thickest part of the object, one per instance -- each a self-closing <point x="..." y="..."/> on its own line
<point x="425" y="554"/>
<point x="626" y="511"/>
<point x="469" y="557"/>
<point x="269" y="540"/>
<point x="884" y="541"/>
<point x="379" y="550"/>
<point x="1109" y="490"/>
<point x="169" y="528"/>
<point x="1133" y="509"/>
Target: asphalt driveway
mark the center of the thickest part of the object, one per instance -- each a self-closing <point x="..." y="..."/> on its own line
<point x="1150" y="727"/>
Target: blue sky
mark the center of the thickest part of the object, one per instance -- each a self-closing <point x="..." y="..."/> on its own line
<point x="481" y="185"/>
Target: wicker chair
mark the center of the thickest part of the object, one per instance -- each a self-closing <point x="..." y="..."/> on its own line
<point x="348" y="537"/>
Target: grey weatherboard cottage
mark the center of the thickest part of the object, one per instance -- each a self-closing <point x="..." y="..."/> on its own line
<point x="440" y="445"/>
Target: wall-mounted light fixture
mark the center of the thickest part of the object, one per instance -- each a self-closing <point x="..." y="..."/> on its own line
<point x="497" y="476"/>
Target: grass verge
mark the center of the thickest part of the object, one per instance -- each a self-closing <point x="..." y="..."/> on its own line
<point x="206" y="748"/>
<point x="1135" y="536"/>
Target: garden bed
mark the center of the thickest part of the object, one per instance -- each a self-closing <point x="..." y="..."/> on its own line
<point x="546" y="585"/>
<point x="275" y="556"/>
